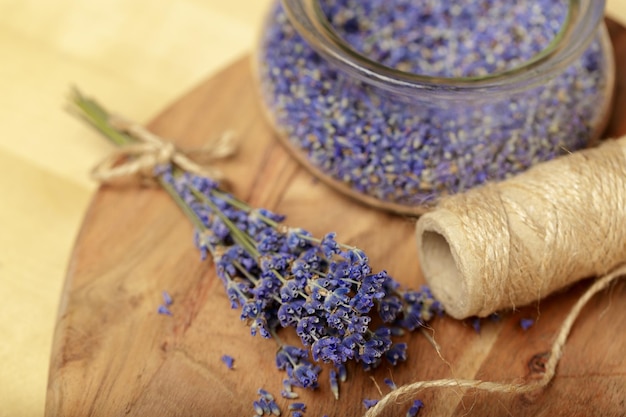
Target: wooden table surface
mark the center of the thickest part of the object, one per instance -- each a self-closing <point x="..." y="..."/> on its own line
<point x="135" y="56"/>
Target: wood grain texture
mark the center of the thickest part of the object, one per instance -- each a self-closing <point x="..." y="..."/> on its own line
<point x="113" y="355"/>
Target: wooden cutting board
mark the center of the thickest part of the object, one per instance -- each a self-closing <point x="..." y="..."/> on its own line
<point x="113" y="355"/>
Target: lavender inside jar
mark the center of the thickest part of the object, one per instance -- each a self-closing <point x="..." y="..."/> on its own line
<point x="400" y="102"/>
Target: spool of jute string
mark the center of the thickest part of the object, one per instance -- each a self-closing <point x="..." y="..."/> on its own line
<point x="140" y="159"/>
<point x="508" y="244"/>
<point x="511" y="243"/>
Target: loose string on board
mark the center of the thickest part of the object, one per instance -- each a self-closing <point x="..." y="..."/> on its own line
<point x="406" y="392"/>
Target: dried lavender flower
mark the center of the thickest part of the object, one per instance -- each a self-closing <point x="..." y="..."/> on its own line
<point x="266" y="404"/>
<point x="334" y="385"/>
<point x="301" y="372"/>
<point x="526" y="323"/>
<point x="415" y="408"/>
<point x="297" y="406"/>
<point x="476" y="324"/>
<point x="280" y="277"/>
<point x="390" y="383"/>
<point x="164" y="310"/>
<point x="342" y="372"/>
<point x="274" y="408"/>
<point x="265" y="394"/>
<point x="228" y="361"/>
<point x="167" y="298"/>
<point x="369" y="403"/>
<point x="286" y="392"/>
<point x="284" y="277"/>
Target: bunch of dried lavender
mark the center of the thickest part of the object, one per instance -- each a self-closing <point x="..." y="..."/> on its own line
<point x="282" y="276"/>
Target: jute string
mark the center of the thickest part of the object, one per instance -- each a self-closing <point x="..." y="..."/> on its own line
<point x="150" y="151"/>
<point x="407" y="392"/>
<point x="510" y="243"/>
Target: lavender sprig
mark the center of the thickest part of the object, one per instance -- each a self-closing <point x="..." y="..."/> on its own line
<point x="281" y="276"/>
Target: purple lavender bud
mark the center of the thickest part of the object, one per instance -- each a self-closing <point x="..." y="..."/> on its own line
<point x="495" y="317"/>
<point x="390" y="383"/>
<point x="258" y="408"/>
<point x="265" y="394"/>
<point x="476" y="324"/>
<point x="329" y="246"/>
<point x="265" y="404"/>
<point x="342" y="372"/>
<point x="167" y="299"/>
<point x="164" y="310"/>
<point x="397" y="331"/>
<point x="415" y="408"/>
<point x="274" y="408"/>
<point x="526" y="324"/>
<point x="228" y="361"/>
<point x="290" y="395"/>
<point x="369" y="403"/>
<point x="301" y="372"/>
<point x="297" y="406"/>
<point x="334" y="385"/>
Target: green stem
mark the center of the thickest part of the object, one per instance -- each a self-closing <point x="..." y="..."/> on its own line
<point x="245" y="273"/>
<point x="191" y="215"/>
<point x="232" y="201"/>
<point x="239" y="236"/>
<point x="97" y="116"/>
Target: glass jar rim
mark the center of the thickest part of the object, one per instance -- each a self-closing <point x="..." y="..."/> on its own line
<point x="576" y="33"/>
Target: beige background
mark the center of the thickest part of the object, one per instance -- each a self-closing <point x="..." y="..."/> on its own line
<point x="134" y="55"/>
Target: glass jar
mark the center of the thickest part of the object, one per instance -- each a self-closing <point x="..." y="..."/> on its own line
<point x="399" y="106"/>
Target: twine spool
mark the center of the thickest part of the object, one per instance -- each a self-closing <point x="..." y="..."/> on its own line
<point x="511" y="243"/>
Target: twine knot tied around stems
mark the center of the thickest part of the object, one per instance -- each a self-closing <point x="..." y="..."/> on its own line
<point x="149" y="151"/>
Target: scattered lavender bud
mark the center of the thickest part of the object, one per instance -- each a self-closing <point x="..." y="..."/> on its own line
<point x="296" y="414"/>
<point x="265" y="394"/>
<point x="258" y="408"/>
<point x="167" y="299"/>
<point x="286" y="391"/>
<point x="369" y="403"/>
<point x="334" y="385"/>
<point x="266" y="404"/>
<point x="164" y="310"/>
<point x="390" y="383"/>
<point x="301" y="372"/>
<point x="274" y="408"/>
<point x="397" y="331"/>
<point x="396" y="353"/>
<point x="290" y="395"/>
<point x="526" y="324"/>
<point x="342" y="372"/>
<point x="494" y="317"/>
<point x="287" y="385"/>
<point x="415" y="408"/>
<point x="297" y="406"/>
<point x="228" y="361"/>
<point x="476" y="324"/>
